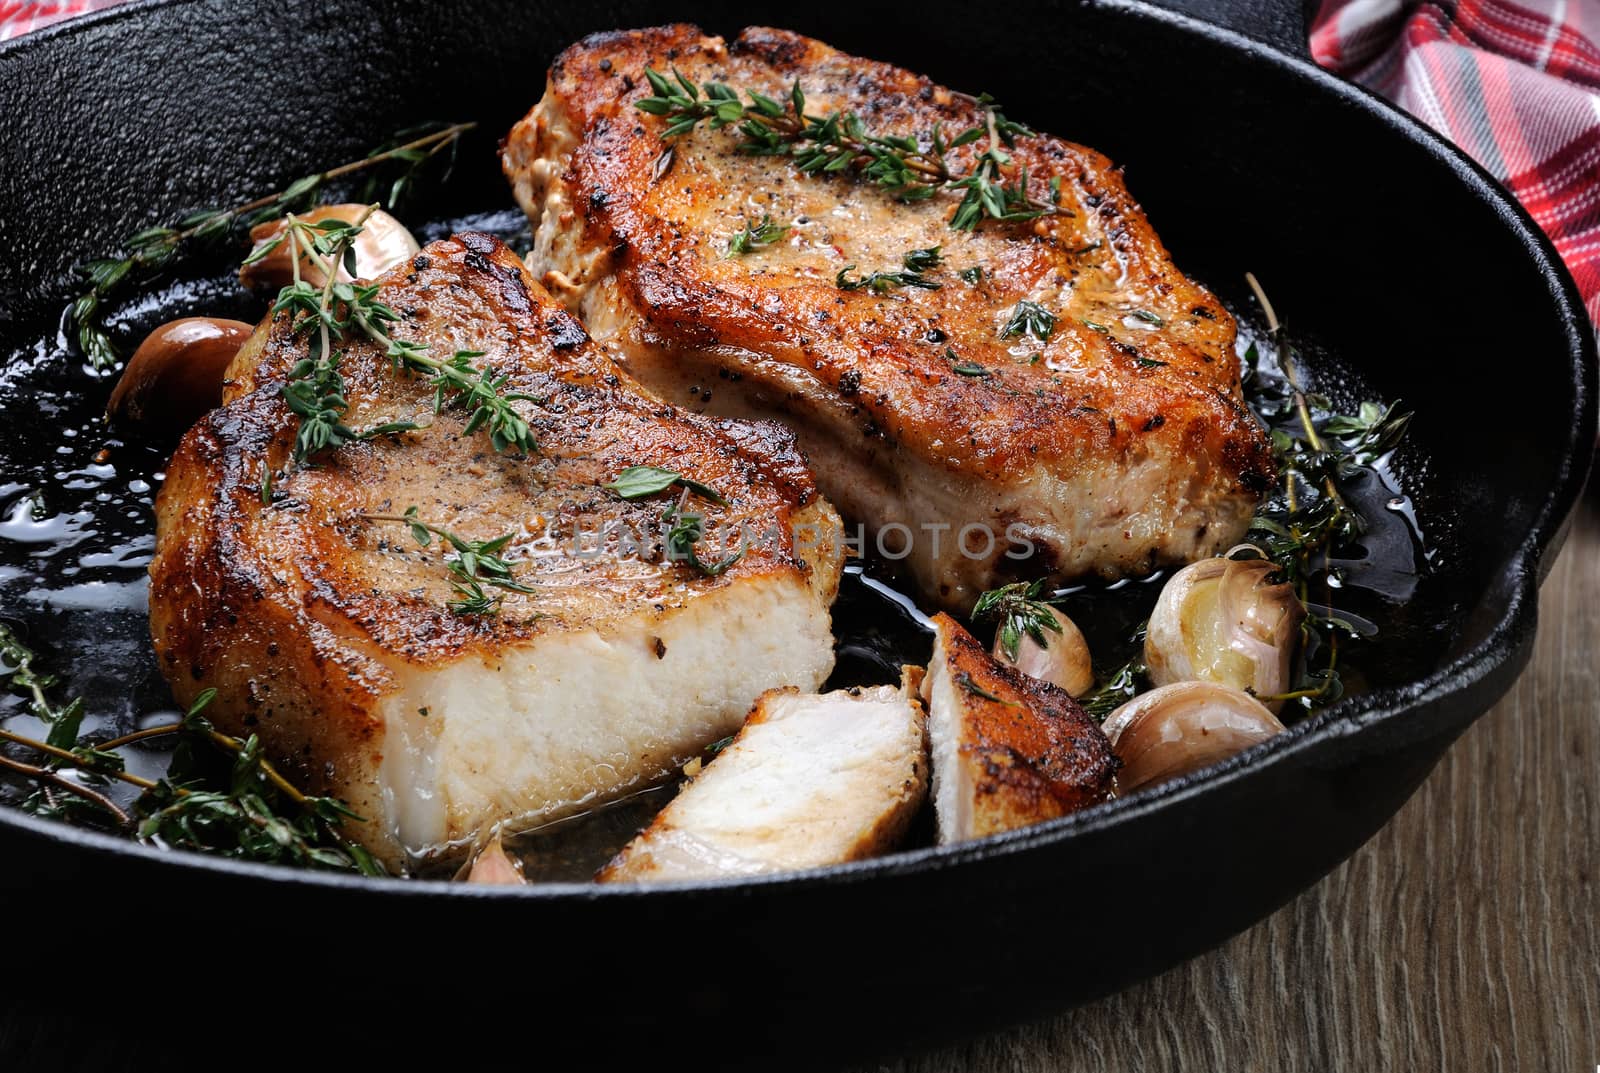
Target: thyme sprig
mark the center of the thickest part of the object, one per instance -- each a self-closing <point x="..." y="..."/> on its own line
<point x="241" y="815"/>
<point x="685" y="528"/>
<point x="1022" y="608"/>
<point x="1029" y="318"/>
<point x="1314" y="515"/>
<point x="755" y="237"/>
<point x="474" y="564"/>
<point x="1025" y="609"/>
<point x="315" y="390"/>
<point x="1300" y="530"/>
<point x="153" y="248"/>
<point x="916" y="263"/>
<point x="642" y="482"/>
<point x="911" y="168"/>
<point x="63" y="722"/>
<point x="1119" y="687"/>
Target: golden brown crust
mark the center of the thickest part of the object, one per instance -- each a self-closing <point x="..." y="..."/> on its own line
<point x="1033" y="753"/>
<point x="353" y="598"/>
<point x="1106" y="384"/>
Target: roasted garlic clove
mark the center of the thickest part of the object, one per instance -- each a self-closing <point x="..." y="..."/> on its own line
<point x="1226" y="621"/>
<point x="1184" y="727"/>
<point x="383" y="243"/>
<point x="493" y="865"/>
<point x="1062" y="661"/>
<point x="176" y="374"/>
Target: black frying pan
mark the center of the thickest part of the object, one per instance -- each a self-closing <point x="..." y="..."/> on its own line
<point x="1395" y="257"/>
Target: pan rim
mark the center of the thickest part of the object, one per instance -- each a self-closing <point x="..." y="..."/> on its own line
<point x="1504" y="648"/>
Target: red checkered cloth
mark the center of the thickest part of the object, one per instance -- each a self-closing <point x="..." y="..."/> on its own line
<point x="17" y="17"/>
<point x="1515" y="85"/>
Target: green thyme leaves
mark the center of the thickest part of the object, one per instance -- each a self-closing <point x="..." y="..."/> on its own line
<point x="1121" y="686"/>
<point x="472" y="563"/>
<point x="923" y="260"/>
<point x="756" y="237"/>
<point x="153" y="248"/>
<point x="642" y="482"/>
<point x="332" y="313"/>
<point x="1301" y="528"/>
<point x="961" y="367"/>
<point x="908" y="167"/>
<point x="684" y="528"/>
<point x="315" y="393"/>
<point x="220" y="794"/>
<point x="916" y="263"/>
<point x="1030" y="318"/>
<point x="1371" y="432"/>
<point x="1022" y="609"/>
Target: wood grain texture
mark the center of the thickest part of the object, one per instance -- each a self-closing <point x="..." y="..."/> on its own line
<point x="1463" y="937"/>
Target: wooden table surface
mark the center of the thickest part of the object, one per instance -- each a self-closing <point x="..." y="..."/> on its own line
<point x="1462" y="938"/>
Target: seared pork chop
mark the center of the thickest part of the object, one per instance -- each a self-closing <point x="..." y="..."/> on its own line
<point x="1008" y="749"/>
<point x="1106" y="430"/>
<point x="329" y="630"/>
<point x="810" y="780"/>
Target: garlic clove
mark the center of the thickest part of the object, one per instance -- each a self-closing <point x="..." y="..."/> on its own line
<point x="1062" y="661"/>
<point x="176" y="374"/>
<point x="493" y="865"/>
<point x="383" y="243"/>
<point x="1227" y="621"/>
<point x="1179" y="728"/>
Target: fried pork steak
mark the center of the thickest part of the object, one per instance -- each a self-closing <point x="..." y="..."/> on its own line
<point x="1102" y="425"/>
<point x="328" y="629"/>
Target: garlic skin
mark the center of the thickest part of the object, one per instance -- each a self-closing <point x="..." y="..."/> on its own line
<point x="1179" y="728"/>
<point x="176" y="374"/>
<point x="1224" y="620"/>
<point x="383" y="243"/>
<point x="1063" y="662"/>
<point x="494" y="866"/>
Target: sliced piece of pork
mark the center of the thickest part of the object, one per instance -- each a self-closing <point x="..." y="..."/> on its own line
<point x="1008" y="749"/>
<point x="809" y="780"/>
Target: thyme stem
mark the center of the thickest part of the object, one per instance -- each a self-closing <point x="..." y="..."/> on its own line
<point x="274" y="776"/>
<point x="74" y="760"/>
<point x="139" y="735"/>
<point x="861" y="148"/>
<point x="315" y="388"/>
<point x="225" y="741"/>
<point x="1274" y="330"/>
<point x="476" y="563"/>
<point x="45" y="775"/>
<point x="910" y="168"/>
<point x="434" y="143"/>
<point x="153" y="247"/>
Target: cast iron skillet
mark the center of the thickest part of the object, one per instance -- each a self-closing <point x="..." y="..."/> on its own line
<point x="1393" y="254"/>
